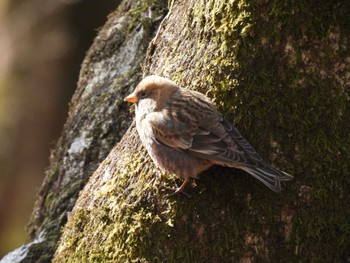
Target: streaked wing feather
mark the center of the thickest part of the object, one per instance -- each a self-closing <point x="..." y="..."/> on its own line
<point x="241" y="141"/>
<point x="169" y="132"/>
<point x="215" y="148"/>
<point x="212" y="143"/>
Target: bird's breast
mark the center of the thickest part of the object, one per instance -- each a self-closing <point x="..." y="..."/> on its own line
<point x="167" y="158"/>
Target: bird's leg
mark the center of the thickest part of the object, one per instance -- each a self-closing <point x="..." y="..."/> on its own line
<point x="180" y="190"/>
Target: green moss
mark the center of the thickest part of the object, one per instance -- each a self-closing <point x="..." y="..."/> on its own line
<point x="275" y="74"/>
<point x="128" y="232"/>
<point x="275" y="69"/>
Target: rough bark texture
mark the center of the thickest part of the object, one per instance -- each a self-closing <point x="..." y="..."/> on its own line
<point x="280" y="71"/>
<point x="42" y="44"/>
<point x="97" y="120"/>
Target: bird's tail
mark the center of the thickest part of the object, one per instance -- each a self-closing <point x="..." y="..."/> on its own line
<point x="268" y="175"/>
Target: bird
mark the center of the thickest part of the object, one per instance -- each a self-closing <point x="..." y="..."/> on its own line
<point x="185" y="134"/>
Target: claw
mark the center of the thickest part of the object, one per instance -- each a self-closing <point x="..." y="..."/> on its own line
<point x="180" y="190"/>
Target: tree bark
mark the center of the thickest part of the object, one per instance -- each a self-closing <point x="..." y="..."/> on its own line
<point x="279" y="71"/>
<point x="39" y="69"/>
<point x="96" y="121"/>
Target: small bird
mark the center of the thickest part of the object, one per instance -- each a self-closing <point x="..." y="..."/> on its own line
<point x="185" y="134"/>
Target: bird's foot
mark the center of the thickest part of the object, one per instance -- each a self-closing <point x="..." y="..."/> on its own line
<point x="180" y="190"/>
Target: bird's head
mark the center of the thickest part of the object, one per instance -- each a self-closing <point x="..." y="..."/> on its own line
<point x="152" y="91"/>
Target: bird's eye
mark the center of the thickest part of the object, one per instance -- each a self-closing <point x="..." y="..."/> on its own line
<point x="143" y="94"/>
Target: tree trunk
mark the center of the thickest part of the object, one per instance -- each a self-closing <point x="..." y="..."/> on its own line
<point x="279" y="70"/>
<point x="38" y="73"/>
<point x="97" y="120"/>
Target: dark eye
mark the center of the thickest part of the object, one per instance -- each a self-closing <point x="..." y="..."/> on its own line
<point x="143" y="94"/>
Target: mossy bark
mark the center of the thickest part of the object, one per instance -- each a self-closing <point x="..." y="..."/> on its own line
<point x="277" y="69"/>
<point x="97" y="119"/>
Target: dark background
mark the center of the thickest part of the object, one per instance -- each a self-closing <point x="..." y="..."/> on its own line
<point x="42" y="44"/>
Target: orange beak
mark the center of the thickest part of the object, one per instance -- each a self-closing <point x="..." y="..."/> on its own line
<point x="131" y="98"/>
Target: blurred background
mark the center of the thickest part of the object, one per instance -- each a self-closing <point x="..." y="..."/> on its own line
<point x="42" y="44"/>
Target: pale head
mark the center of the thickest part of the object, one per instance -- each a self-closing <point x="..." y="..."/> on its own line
<point x="153" y="88"/>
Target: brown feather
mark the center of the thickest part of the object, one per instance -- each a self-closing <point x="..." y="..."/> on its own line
<point x="185" y="134"/>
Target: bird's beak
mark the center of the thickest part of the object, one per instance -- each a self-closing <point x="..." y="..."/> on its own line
<point x="131" y="98"/>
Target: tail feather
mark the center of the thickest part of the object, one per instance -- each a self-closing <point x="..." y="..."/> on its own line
<point x="269" y="176"/>
<point x="265" y="173"/>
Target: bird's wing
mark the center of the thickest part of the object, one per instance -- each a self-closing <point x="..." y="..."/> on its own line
<point x="168" y="131"/>
<point x="220" y="147"/>
<point x="241" y="141"/>
<point x="212" y="142"/>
